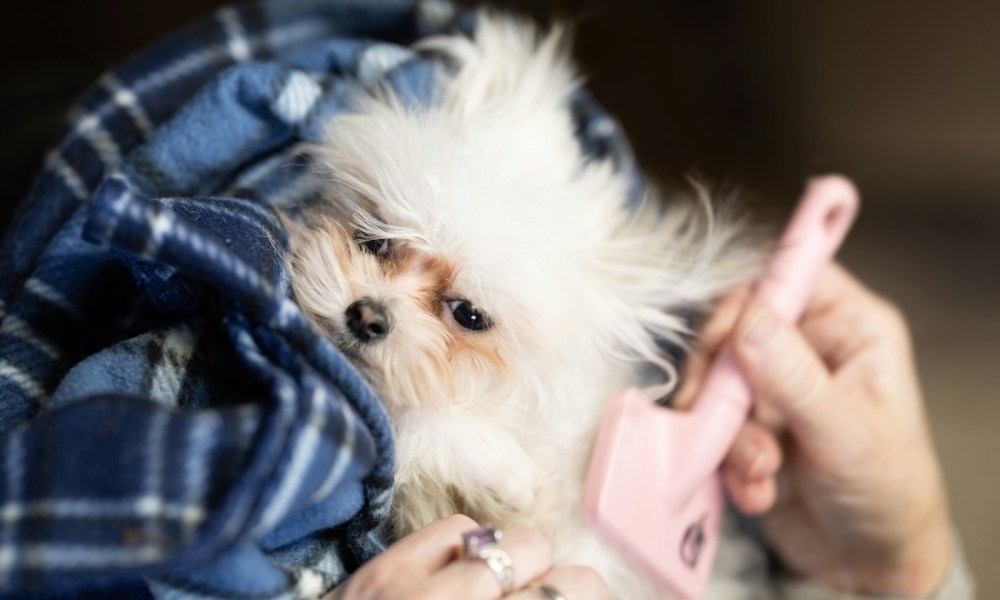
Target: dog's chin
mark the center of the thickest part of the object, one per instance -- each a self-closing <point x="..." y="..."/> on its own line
<point x="352" y="351"/>
<point x="356" y="354"/>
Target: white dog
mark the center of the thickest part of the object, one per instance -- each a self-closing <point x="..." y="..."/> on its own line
<point x="496" y="288"/>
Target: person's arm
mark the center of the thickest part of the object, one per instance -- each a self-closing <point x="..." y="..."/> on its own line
<point x="837" y="459"/>
<point x="958" y="585"/>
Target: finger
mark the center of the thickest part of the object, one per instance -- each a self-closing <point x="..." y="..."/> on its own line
<point x="694" y="375"/>
<point x="724" y="318"/>
<point x="844" y="316"/>
<point x="571" y="582"/>
<point x="751" y="496"/>
<point x="785" y="372"/>
<point x="833" y="287"/>
<point x="755" y="453"/>
<point x="471" y="578"/>
<point x="431" y="548"/>
<point x="874" y="327"/>
<point x="768" y="416"/>
<point x="710" y="339"/>
<point x="786" y="493"/>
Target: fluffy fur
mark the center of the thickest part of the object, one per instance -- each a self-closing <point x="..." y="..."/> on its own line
<point x="486" y="197"/>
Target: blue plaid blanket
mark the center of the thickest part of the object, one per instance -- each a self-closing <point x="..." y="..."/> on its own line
<point x="170" y="423"/>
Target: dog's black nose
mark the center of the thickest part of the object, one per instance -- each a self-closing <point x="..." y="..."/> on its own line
<point x="368" y="320"/>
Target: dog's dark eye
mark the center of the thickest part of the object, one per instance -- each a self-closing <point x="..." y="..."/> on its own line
<point x="379" y="248"/>
<point x="468" y="316"/>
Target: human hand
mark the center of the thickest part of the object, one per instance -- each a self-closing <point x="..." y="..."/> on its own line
<point x="427" y="565"/>
<point x="837" y="456"/>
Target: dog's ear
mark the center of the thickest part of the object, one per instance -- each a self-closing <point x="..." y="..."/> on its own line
<point x="509" y="65"/>
<point x="683" y="251"/>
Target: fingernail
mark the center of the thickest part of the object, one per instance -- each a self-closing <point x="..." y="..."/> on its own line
<point x="757" y="466"/>
<point x="751" y="454"/>
<point x="759" y="328"/>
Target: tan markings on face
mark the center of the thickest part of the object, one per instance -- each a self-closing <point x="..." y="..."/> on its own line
<point x="435" y="277"/>
<point x="482" y="350"/>
<point x="343" y="250"/>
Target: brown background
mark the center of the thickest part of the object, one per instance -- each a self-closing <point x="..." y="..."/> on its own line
<point x="902" y="96"/>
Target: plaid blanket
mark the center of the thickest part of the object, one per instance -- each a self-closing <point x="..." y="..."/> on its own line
<point x="169" y="421"/>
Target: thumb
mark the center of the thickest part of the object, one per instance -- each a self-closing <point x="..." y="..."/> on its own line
<point x="787" y="374"/>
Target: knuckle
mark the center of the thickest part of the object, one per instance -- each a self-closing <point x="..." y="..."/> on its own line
<point x="891" y="316"/>
<point x="800" y="381"/>
<point x="373" y="581"/>
<point x="462" y="522"/>
<point x="538" y="542"/>
<point x="590" y="579"/>
<point x="541" y="546"/>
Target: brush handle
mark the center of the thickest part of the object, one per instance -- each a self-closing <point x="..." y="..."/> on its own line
<point x="814" y="233"/>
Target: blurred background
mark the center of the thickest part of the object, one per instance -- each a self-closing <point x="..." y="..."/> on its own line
<point x="904" y="97"/>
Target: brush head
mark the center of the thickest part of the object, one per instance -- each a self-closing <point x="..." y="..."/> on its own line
<point x="632" y="499"/>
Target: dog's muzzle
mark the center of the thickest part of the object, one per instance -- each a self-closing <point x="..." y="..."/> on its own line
<point x="368" y="320"/>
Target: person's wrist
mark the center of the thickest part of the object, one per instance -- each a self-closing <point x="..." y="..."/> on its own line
<point x="918" y="569"/>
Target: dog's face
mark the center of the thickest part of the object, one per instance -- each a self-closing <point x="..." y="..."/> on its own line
<point x="467" y="261"/>
<point x="417" y="320"/>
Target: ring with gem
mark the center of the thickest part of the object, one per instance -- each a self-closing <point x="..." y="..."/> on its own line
<point x="481" y="544"/>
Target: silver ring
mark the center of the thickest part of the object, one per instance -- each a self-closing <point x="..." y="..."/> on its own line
<point x="548" y="592"/>
<point x="481" y="544"/>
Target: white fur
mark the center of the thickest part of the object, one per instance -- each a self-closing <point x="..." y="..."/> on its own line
<point x="487" y="197"/>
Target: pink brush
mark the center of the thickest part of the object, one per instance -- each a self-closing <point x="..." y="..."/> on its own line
<point x="653" y="489"/>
